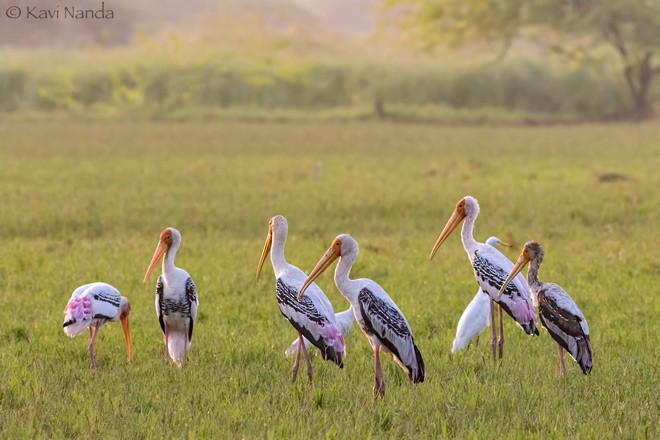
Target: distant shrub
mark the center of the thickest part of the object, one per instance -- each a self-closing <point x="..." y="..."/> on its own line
<point x="160" y="84"/>
<point x="13" y="89"/>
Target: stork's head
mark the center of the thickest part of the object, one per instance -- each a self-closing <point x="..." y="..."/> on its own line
<point x="169" y="238"/>
<point x="124" y="311"/>
<point x="348" y="245"/>
<point x="277" y="227"/>
<point x="341" y="246"/>
<point x="494" y="241"/>
<point x="531" y="251"/>
<point x="467" y="206"/>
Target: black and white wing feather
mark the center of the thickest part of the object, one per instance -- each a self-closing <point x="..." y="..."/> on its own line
<point x="94" y="301"/>
<point x="384" y="320"/>
<point x="191" y="296"/>
<point x="566" y="324"/>
<point x="159" y="303"/>
<point x="305" y="317"/>
<point x="491" y="268"/>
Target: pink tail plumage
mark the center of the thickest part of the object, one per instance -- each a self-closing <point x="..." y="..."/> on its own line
<point x="521" y="311"/>
<point x="78" y="316"/>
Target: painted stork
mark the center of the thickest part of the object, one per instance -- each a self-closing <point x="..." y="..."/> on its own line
<point x="176" y="299"/>
<point x="560" y="316"/>
<point x="313" y="317"/>
<point x="377" y="315"/>
<point x="491" y="268"/>
<point x="92" y="305"/>
<point x="475" y="319"/>
<point x="344" y="320"/>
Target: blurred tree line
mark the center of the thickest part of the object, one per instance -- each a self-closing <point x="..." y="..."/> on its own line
<point x="273" y="59"/>
<point x="574" y="29"/>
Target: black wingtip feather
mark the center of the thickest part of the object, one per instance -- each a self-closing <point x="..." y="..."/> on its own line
<point x="331" y="354"/>
<point x="421" y="370"/>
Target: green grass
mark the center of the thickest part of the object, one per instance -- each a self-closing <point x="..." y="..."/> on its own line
<point x="82" y="202"/>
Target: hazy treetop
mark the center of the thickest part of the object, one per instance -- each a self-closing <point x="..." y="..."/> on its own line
<point x="151" y="17"/>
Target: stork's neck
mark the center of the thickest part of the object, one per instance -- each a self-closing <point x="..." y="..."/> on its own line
<point x="467" y="232"/>
<point x="342" y="279"/>
<point x="533" y="275"/>
<point x="277" y="251"/>
<point x="168" y="261"/>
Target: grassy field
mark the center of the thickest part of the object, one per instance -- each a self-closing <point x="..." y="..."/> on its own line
<point x="82" y="202"/>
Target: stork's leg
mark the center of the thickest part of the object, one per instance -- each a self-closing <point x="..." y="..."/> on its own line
<point x="493" y="332"/>
<point x="167" y="354"/>
<point x="500" y="342"/>
<point x="379" y="383"/>
<point x="92" y="354"/>
<point x="296" y="363"/>
<point x="309" y="361"/>
<point x="185" y="359"/>
<point x="90" y="332"/>
<point x="562" y="367"/>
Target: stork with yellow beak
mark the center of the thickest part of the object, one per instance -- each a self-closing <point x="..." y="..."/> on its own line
<point x="92" y="305"/>
<point x="490" y="269"/>
<point x="176" y="298"/>
<point x="313" y="316"/>
<point x="560" y="316"/>
<point x="378" y="316"/>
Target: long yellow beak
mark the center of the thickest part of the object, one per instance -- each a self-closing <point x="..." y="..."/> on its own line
<point x="522" y="261"/>
<point x="330" y="255"/>
<point x="452" y="223"/>
<point x="127" y="335"/>
<point x="505" y="244"/>
<point x="264" y="253"/>
<point x="160" y="251"/>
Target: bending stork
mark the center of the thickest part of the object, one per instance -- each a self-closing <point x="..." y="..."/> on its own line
<point x="313" y="317"/>
<point x="377" y="315"/>
<point x="560" y="316"/>
<point x="176" y="299"/>
<point x="491" y="268"/>
<point x="475" y="319"/>
<point x="92" y="305"/>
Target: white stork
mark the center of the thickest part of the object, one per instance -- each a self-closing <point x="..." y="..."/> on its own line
<point x="344" y="320"/>
<point x="92" y="305"/>
<point x="491" y="268"/>
<point x="560" y="316"/>
<point x="313" y="317"/>
<point x="377" y="315"/>
<point x="474" y="319"/>
<point x="176" y="299"/>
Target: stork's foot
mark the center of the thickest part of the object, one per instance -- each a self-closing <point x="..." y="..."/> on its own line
<point x="92" y="357"/>
<point x="379" y="388"/>
<point x="294" y="370"/>
<point x="308" y="361"/>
